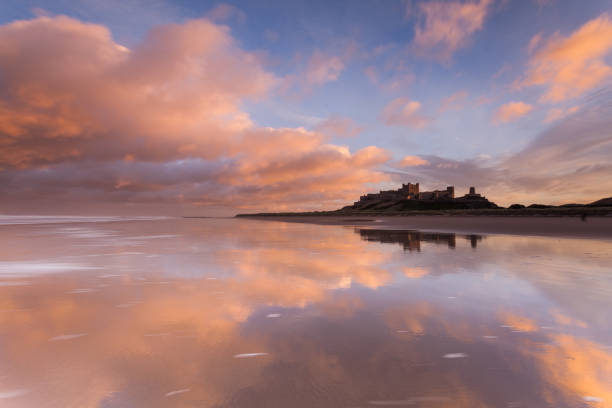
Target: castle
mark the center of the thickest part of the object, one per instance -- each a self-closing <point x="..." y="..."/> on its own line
<point x="411" y="192"/>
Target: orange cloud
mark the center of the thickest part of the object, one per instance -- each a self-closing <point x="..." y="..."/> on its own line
<point x="455" y="101"/>
<point x="175" y="95"/>
<point x="323" y="68"/>
<point x="448" y="27"/>
<point x="404" y="112"/>
<point x="415" y="272"/>
<point x="570" y="66"/>
<point x="578" y="367"/>
<point x="338" y="126"/>
<point x="409" y="161"/>
<point x="511" y="111"/>
<point x="169" y="109"/>
<point x="224" y="12"/>
<point x="319" y="69"/>
<point x="557" y="113"/>
<point x="518" y="322"/>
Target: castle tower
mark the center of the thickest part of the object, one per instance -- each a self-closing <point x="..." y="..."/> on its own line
<point x="472" y="190"/>
<point x="451" y="191"/>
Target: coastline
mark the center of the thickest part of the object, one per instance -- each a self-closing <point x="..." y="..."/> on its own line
<point x="571" y="227"/>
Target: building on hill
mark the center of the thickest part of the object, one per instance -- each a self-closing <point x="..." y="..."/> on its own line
<point x="409" y="192"/>
<point x="406" y="192"/>
<point x="472" y="195"/>
<point x="409" y="196"/>
<point x="448" y="194"/>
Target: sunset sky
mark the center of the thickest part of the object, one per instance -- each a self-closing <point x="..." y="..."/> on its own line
<point x="196" y="107"/>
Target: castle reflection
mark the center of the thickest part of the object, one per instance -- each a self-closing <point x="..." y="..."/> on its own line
<point x="228" y="313"/>
<point x="411" y="240"/>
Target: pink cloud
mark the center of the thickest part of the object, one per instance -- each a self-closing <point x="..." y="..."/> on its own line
<point x="317" y="70"/>
<point x="511" y="111"/>
<point x="404" y="112"/>
<point x="372" y="74"/>
<point x="169" y="111"/>
<point x="411" y="161"/>
<point x="556" y="167"/>
<point x="338" y="126"/>
<point x="323" y="68"/>
<point x="447" y="27"/>
<point x="224" y="12"/>
<point x="570" y="66"/>
<point x="555" y="114"/>
<point x="455" y="101"/>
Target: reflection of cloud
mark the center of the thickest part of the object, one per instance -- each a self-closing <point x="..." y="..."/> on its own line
<point x="577" y="367"/>
<point x="567" y="320"/>
<point x="415" y="272"/>
<point x="325" y="345"/>
<point x="517" y="322"/>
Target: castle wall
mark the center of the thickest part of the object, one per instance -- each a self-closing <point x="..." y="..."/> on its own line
<point x="411" y="192"/>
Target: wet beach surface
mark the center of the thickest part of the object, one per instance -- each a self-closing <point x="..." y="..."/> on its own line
<point x="247" y="313"/>
<point x="578" y="227"/>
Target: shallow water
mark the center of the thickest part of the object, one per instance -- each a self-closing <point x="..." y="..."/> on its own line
<point x="246" y="313"/>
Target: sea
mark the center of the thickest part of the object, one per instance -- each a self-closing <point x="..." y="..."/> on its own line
<point x="116" y="312"/>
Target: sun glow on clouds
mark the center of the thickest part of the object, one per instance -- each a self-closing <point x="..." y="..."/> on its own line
<point x="404" y="112"/>
<point x="162" y="109"/>
<point x="448" y="27"/>
<point x="570" y="66"/>
<point x="511" y="111"/>
<point x="409" y="161"/>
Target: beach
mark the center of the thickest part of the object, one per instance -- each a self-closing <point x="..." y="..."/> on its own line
<point x="575" y="227"/>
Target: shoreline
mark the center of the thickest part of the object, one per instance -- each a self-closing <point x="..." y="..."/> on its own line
<point x="570" y="227"/>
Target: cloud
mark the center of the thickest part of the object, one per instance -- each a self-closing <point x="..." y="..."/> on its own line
<point x="447" y="27"/>
<point x="225" y="12"/>
<point x="534" y="42"/>
<point x="570" y="66"/>
<point x="455" y="101"/>
<point x="556" y="167"/>
<point x="371" y="73"/>
<point x="323" y="68"/>
<point x="338" y="126"/>
<point x="555" y="114"/>
<point x="404" y="112"/>
<point x="409" y="161"/>
<point x="160" y="122"/>
<point x="317" y="70"/>
<point x="271" y="36"/>
<point x="177" y="94"/>
<point x="511" y="111"/>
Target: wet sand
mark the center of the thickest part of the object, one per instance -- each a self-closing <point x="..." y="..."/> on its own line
<point x="592" y="227"/>
<point x="242" y="313"/>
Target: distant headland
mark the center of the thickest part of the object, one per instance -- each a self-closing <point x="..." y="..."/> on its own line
<point x="409" y="200"/>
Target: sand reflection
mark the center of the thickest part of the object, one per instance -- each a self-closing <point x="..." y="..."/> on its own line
<point x="248" y="314"/>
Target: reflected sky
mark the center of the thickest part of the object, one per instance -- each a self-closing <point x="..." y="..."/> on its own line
<point x="246" y="313"/>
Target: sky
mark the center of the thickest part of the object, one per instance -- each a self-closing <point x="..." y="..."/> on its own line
<point x="206" y="108"/>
